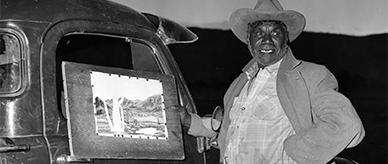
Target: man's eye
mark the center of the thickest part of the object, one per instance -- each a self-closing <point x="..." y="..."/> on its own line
<point x="275" y="33"/>
<point x="259" y="33"/>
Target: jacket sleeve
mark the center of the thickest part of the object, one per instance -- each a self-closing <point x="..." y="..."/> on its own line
<point x="336" y="124"/>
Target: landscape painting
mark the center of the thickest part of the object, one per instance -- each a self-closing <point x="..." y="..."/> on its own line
<point x="127" y="106"/>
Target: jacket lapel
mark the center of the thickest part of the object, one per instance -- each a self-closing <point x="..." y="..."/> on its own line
<point x="291" y="89"/>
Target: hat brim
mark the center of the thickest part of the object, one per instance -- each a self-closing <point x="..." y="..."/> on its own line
<point x="239" y="20"/>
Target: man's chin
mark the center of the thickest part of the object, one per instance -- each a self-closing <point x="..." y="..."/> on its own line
<point x="263" y="60"/>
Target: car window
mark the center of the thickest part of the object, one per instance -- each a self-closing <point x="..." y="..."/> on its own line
<point x="10" y="63"/>
<point x="108" y="51"/>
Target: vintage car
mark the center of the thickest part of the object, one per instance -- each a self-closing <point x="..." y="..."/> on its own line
<point x="40" y="122"/>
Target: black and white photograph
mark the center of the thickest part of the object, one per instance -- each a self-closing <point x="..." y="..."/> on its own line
<point x="193" y="81"/>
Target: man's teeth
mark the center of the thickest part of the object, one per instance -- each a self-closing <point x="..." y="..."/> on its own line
<point x="266" y="51"/>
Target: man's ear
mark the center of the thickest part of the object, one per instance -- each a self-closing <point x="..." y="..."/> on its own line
<point x="287" y="38"/>
<point x="248" y="43"/>
<point x="248" y="35"/>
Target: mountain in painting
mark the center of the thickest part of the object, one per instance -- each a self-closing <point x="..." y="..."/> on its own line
<point x="150" y="104"/>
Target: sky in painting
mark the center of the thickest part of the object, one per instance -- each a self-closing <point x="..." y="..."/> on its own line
<point x="107" y="86"/>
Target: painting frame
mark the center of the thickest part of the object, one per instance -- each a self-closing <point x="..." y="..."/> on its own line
<point x="84" y="140"/>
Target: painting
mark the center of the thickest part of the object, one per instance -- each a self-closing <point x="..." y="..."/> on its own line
<point x="117" y="113"/>
<point x="127" y="106"/>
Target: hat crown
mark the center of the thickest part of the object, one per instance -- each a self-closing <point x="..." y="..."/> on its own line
<point x="268" y="6"/>
<point x="266" y="10"/>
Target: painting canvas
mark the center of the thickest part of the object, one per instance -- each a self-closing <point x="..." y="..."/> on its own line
<point x="121" y="113"/>
<point x="128" y="106"/>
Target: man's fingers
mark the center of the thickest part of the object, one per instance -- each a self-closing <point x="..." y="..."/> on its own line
<point x="185" y="117"/>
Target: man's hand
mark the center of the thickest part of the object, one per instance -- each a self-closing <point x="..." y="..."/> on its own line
<point x="185" y="117"/>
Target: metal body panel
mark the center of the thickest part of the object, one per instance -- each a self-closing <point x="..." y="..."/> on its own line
<point x="21" y="115"/>
<point x="32" y="116"/>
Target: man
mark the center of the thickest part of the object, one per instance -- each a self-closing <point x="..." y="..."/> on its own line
<point x="280" y="109"/>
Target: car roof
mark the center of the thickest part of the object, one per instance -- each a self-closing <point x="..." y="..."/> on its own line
<point x="53" y="11"/>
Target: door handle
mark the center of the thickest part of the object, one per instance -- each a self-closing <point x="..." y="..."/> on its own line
<point x="14" y="148"/>
<point x="7" y="145"/>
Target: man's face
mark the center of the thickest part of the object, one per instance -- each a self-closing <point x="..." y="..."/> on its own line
<point x="267" y="41"/>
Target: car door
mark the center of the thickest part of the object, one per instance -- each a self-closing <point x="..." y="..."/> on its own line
<point x="115" y="46"/>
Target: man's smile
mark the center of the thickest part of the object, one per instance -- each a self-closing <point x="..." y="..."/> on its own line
<point x="267" y="51"/>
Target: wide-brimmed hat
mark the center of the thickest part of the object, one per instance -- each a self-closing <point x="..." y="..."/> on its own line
<point x="266" y="10"/>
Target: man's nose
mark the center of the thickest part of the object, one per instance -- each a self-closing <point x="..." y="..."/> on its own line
<point x="267" y="38"/>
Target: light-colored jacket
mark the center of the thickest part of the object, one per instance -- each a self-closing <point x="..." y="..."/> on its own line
<point x="324" y="120"/>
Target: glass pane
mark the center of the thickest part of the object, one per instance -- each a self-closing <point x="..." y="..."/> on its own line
<point x="10" y="65"/>
<point x="107" y="51"/>
<point x="143" y="58"/>
<point x="95" y="50"/>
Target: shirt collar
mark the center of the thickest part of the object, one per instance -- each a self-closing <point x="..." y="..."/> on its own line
<point x="273" y="69"/>
<point x="254" y="69"/>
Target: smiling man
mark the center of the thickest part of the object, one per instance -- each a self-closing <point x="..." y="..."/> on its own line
<point x="280" y="109"/>
<point x="267" y="41"/>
